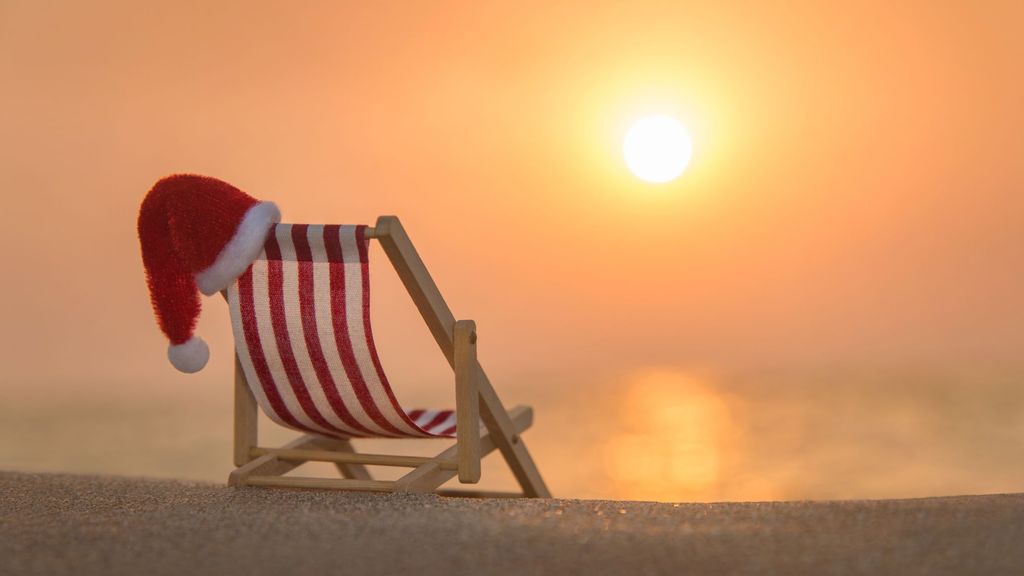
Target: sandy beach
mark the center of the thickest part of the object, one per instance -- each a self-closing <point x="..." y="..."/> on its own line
<point x="64" y="524"/>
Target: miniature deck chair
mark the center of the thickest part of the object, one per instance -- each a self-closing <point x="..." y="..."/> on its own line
<point x="305" y="355"/>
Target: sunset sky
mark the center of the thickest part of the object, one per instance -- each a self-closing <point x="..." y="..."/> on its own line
<point x="833" y="284"/>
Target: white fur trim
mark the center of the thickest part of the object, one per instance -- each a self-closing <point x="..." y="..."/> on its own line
<point x="189" y="357"/>
<point x="244" y="247"/>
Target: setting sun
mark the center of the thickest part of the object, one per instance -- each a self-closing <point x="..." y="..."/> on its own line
<point x="657" y="149"/>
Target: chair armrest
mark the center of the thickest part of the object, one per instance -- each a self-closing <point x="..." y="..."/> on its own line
<point x="467" y="401"/>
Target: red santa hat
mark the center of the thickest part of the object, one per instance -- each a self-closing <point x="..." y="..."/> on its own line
<point x="198" y="234"/>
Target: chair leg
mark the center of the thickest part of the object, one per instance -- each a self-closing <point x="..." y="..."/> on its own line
<point x="467" y="401"/>
<point x="508" y="439"/>
<point x="246" y="417"/>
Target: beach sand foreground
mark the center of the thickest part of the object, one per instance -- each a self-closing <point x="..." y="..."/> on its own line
<point x="62" y="524"/>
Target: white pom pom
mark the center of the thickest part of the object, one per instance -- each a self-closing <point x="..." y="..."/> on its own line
<point x="189" y="357"/>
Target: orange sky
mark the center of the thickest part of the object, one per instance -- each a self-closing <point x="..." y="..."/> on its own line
<point x="854" y="197"/>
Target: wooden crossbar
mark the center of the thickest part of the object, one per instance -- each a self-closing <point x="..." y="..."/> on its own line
<point x="321" y="483"/>
<point x="268" y="465"/>
<point x="294" y="455"/>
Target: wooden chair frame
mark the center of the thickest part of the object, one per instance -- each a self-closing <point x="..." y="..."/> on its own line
<point x="475" y="401"/>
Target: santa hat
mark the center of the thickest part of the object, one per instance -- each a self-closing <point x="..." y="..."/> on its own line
<point x="198" y="234"/>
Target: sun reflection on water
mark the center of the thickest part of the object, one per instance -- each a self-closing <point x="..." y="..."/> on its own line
<point x="675" y="434"/>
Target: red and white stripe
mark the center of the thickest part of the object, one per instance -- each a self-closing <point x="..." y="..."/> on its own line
<point x="301" y="319"/>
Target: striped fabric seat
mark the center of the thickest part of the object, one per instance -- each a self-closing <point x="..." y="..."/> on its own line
<point x="301" y="320"/>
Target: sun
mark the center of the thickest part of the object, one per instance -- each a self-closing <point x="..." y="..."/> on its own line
<point x="657" y="149"/>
